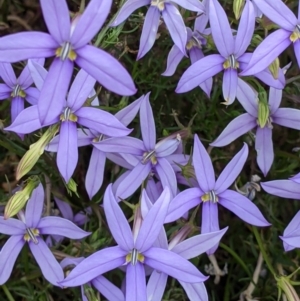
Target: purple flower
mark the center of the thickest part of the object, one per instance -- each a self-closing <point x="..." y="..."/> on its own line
<point x="68" y="43"/>
<point x="134" y="251"/>
<point x="275" y="43"/>
<point x="261" y="114"/>
<point x="104" y="286"/>
<point x="95" y="172"/>
<point x="72" y="113"/>
<point x="187" y="248"/>
<point x="18" y="89"/>
<point x="151" y="155"/>
<point x="232" y="54"/>
<point x="29" y="229"/>
<point x="170" y="14"/>
<point x="195" y="41"/>
<point x="211" y="193"/>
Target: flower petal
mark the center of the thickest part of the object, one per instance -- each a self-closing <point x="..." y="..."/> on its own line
<point x="5" y="91"/>
<point x="173" y="265"/>
<point x="105" y="69"/>
<point x="275" y="96"/>
<point x="203" y="166"/>
<point x="174" y="58"/>
<point x="287" y="117"/>
<point x="243" y="208"/>
<point x="8" y="74"/>
<point x="38" y="73"/>
<point x="200" y="72"/>
<point x="156" y="286"/>
<point x="17" y="106"/>
<point x="51" y="269"/>
<point x="229" y="85"/>
<point x="264" y="149"/>
<point x="90" y="22"/>
<point x="149" y="31"/>
<point x="195" y="291"/>
<point x="232" y="170"/>
<point x="8" y="256"/>
<point x="34" y="207"/>
<point x="192" y="5"/>
<point x="65" y="209"/>
<point x="297" y="50"/>
<point x="283" y="188"/>
<point x="11" y="226"/>
<point x="136" y="282"/>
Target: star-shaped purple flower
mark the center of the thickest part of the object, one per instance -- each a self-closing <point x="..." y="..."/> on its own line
<point x="261" y="114"/>
<point x="29" y="229"/>
<point x="69" y="43"/>
<point x="212" y="193"/>
<point x="170" y="14"/>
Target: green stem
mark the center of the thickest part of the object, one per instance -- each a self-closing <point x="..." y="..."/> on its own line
<point x="7" y="293"/>
<point x="263" y="251"/>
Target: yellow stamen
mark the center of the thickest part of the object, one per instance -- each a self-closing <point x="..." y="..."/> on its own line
<point x="296" y="34"/>
<point x="65" y="52"/>
<point x="159" y="4"/>
<point x="31" y="235"/>
<point x="231" y="62"/>
<point x="17" y="91"/>
<point x="210" y="196"/>
<point x="68" y="115"/>
<point x="134" y="256"/>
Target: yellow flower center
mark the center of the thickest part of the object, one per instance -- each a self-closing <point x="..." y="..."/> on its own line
<point x="149" y="156"/>
<point x="67" y="115"/>
<point x="296" y="34"/>
<point x="193" y="42"/>
<point x="159" y="4"/>
<point x="66" y="51"/>
<point x="210" y="196"/>
<point x="31" y="234"/>
<point x="134" y="257"/>
<point x="17" y="91"/>
<point x="231" y="62"/>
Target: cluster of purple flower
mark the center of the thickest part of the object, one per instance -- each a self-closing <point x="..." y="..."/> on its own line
<point x="144" y="250"/>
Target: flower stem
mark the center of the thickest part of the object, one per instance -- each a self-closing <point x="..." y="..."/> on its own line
<point x="263" y="251"/>
<point x="7" y="293"/>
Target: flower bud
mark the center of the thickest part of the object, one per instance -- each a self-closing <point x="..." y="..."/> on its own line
<point x="274" y="68"/>
<point x="35" y="151"/>
<point x="72" y="187"/>
<point x="19" y="199"/>
<point x="263" y="109"/>
<point x="238" y="6"/>
<point x="181" y="235"/>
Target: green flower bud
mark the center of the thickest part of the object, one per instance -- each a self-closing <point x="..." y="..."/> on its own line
<point x="274" y="68"/>
<point x="20" y="198"/>
<point x="263" y="109"/>
<point x="72" y="187"/>
<point x="238" y="6"/>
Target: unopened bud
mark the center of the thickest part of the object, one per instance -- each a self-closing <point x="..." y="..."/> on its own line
<point x="72" y="187"/>
<point x="20" y="198"/>
<point x="263" y="109"/>
<point x="35" y="151"/>
<point x="238" y="6"/>
<point x="181" y="235"/>
<point x="274" y="68"/>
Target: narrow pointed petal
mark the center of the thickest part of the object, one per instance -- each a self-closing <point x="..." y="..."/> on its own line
<point x="266" y="77"/>
<point x="51" y="269"/>
<point x="201" y="22"/>
<point x="173" y="265"/>
<point x="229" y="85"/>
<point x="183" y="202"/>
<point x="8" y="74"/>
<point x="195" y="291"/>
<point x="25" y="78"/>
<point x="107" y="289"/>
<point x="26" y="122"/>
<point x="291" y="242"/>
<point x="200" y="72"/>
<point x="156" y="286"/>
<point x="90" y="22"/>
<point x="80" y="90"/>
<point x="166" y="175"/>
<point x="283" y="188"/>
<point x="123" y="145"/>
<point x="174" y="58"/>
<point x="65" y="209"/>
<point x="149" y="31"/>
<point x="24" y="45"/>
<point x="101" y="121"/>
<point x="220" y="29"/>
<point x="127" y="9"/>
<point x="275" y="96"/>
<point x="245" y="30"/>
<point x="136" y="282"/>
<point x="278" y="12"/>
<point x="57" y="18"/>
<point x="5" y="91"/>
<point x="8" y="256"/>
<point x="53" y="93"/>
<point x="106" y="70"/>
<point x="203" y="166"/>
<point x="264" y="149"/>
<point x="267" y="51"/>
<point x="236" y="128"/>
<point x="95" y="172"/>
<point x="133" y="180"/>
<point x="67" y="153"/>
<point x="192" y="5"/>
<point x="127" y="114"/>
<point x="11" y="226"/>
<point x="297" y="50"/>
<point x="165" y="148"/>
<point x="232" y="170"/>
<point x="293" y="227"/>
<point x="34" y="207"/>
<point x="198" y="244"/>
<point x="287" y="117"/>
<point x="97" y="264"/>
<point x="38" y="73"/>
<point x="153" y="222"/>
<point x="175" y="25"/>
<point x="32" y="95"/>
<point x="119" y="160"/>
<point x="247" y="97"/>
<point x="17" y="106"/>
<point x="243" y="208"/>
<point x="117" y="222"/>
<point x="60" y="226"/>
